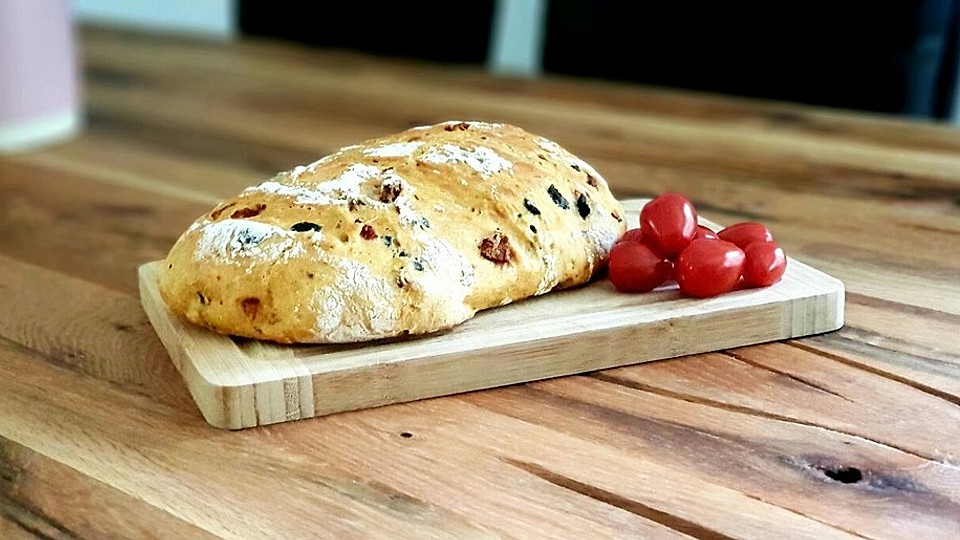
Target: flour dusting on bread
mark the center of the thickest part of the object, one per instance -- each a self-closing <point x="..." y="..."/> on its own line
<point x="406" y="234"/>
<point x="481" y="159"/>
<point x="236" y="239"/>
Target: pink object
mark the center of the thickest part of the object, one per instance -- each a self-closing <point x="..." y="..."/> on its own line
<point x="39" y="102"/>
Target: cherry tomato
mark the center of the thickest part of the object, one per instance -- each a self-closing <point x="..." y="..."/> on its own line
<point x="634" y="267"/>
<point x="669" y="223"/>
<point x="746" y="233"/>
<point x="764" y="264"/>
<point x="636" y="235"/>
<point x="632" y="235"/>
<point x="705" y="232"/>
<point x="709" y="267"/>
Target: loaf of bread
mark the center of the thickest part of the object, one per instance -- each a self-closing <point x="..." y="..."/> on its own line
<point x="407" y="234"/>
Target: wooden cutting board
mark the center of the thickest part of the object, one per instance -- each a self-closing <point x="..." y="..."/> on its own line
<point x="243" y="383"/>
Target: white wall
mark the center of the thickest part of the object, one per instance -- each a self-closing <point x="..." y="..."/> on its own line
<point x="213" y="18"/>
<point x="516" y="40"/>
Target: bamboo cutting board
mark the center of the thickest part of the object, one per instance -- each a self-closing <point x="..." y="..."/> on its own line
<point x="245" y="383"/>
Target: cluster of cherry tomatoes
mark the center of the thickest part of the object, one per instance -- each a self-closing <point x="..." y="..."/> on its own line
<point x="671" y="245"/>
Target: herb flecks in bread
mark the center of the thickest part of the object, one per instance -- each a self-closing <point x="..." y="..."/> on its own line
<point x="406" y="234"/>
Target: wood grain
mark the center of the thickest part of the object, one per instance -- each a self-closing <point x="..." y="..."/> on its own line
<point x="851" y="434"/>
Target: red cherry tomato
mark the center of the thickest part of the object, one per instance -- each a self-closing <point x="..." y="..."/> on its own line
<point x="632" y="235"/>
<point x="636" y="235"/>
<point x="746" y="233"/>
<point x="764" y="264"/>
<point x="634" y="267"/>
<point x="669" y="223"/>
<point x="705" y="232"/>
<point x="709" y="267"/>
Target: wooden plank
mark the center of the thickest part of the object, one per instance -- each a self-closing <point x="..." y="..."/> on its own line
<point x="69" y="223"/>
<point x="509" y="471"/>
<point x="391" y="99"/>
<point x="782" y="382"/>
<point x="140" y="65"/>
<point x="44" y="498"/>
<point x="11" y="528"/>
<point x="916" y="346"/>
<point x="87" y="328"/>
<point x="781" y="462"/>
<point x="243" y="384"/>
<point x="473" y="441"/>
<point x="315" y="482"/>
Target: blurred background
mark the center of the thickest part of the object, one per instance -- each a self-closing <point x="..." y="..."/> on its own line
<point x="896" y="57"/>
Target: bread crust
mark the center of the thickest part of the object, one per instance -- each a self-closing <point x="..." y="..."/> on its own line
<point x="407" y="234"/>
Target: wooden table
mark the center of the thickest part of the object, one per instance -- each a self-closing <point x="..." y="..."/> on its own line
<point x="850" y="434"/>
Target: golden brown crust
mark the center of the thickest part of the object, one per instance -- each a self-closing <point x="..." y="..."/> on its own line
<point x="410" y="233"/>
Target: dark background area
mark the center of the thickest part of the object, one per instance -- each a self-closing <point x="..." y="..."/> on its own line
<point x="895" y="57"/>
<point x="446" y="31"/>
